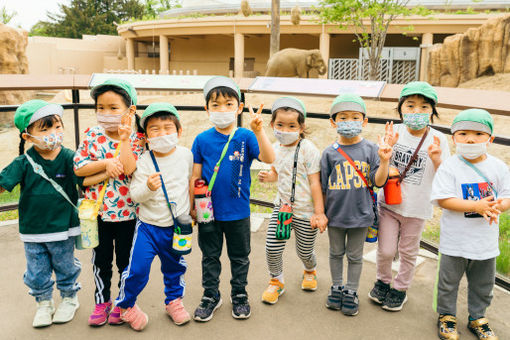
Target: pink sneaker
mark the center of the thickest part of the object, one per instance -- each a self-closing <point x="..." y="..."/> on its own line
<point x="177" y="312"/>
<point x="114" y="318"/>
<point x="136" y="318"/>
<point x="100" y="314"/>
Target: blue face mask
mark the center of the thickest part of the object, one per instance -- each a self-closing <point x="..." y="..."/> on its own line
<point x="349" y="129"/>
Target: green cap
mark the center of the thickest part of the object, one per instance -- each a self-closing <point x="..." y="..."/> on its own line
<point x="158" y="107"/>
<point x="474" y="120"/>
<point x="218" y="81"/>
<point x="348" y="102"/>
<point x="419" y="87"/>
<point x="120" y="83"/>
<point x="33" y="110"/>
<point x="291" y="102"/>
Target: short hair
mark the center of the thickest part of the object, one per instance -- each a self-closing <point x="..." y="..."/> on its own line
<point x="44" y="122"/>
<point x="301" y="117"/>
<point x="224" y="91"/>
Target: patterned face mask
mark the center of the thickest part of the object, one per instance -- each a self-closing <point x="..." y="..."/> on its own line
<point x="49" y="142"/>
<point x="416" y="121"/>
<point x="349" y="129"/>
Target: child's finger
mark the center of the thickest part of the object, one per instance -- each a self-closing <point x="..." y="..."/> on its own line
<point x="259" y="111"/>
<point x="250" y="109"/>
<point x="437" y="141"/>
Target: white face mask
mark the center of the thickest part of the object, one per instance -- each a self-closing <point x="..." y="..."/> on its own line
<point x="163" y="144"/>
<point x="222" y="119"/>
<point x="471" y="151"/>
<point x="109" y="122"/>
<point x="286" y="138"/>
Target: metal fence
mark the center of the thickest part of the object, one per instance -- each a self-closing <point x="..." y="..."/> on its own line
<point x="398" y="65"/>
<point x="501" y="281"/>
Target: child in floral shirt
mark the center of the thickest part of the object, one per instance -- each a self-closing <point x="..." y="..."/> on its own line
<point x="115" y="102"/>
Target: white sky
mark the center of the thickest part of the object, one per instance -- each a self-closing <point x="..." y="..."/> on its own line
<point x="30" y="11"/>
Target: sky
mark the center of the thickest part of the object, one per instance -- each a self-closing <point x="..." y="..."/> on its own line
<point x="30" y="11"/>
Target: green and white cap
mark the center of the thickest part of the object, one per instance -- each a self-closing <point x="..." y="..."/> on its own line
<point x="120" y="83"/>
<point x="348" y="102"/>
<point x="33" y="110"/>
<point x="158" y="107"/>
<point x="419" y="87"/>
<point x="474" y="120"/>
<point x="220" y="81"/>
<point x="291" y="102"/>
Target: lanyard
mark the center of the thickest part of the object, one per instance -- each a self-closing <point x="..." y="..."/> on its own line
<point x="217" y="166"/>
<point x="163" y="187"/>
<point x="351" y="162"/>
<point x="294" y="172"/>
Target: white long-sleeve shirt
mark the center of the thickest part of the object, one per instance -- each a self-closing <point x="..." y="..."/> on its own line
<point x="176" y="172"/>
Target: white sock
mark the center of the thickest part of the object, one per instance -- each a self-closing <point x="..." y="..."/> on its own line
<point x="280" y="278"/>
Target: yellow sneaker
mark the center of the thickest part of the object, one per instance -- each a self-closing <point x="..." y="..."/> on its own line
<point x="447" y="327"/>
<point x="309" y="280"/>
<point x="480" y="327"/>
<point x="273" y="291"/>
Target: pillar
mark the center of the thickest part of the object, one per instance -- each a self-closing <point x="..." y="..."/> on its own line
<point x="427" y="40"/>
<point x="163" y="54"/>
<point x="130" y="53"/>
<point x="324" y="41"/>
<point x="238" y="55"/>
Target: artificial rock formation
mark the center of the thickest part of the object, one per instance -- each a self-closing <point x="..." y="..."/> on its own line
<point x="480" y="51"/>
<point x="13" y="60"/>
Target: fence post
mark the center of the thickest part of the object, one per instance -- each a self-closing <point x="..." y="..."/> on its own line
<point x="76" y="101"/>
<point x="240" y="116"/>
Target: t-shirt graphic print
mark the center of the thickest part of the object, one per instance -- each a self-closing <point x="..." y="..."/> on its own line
<point x="475" y="192"/>
<point x="401" y="157"/>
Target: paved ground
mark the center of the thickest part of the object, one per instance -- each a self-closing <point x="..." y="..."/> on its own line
<point x="298" y="314"/>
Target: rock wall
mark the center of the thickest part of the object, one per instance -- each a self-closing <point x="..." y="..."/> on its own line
<point x="480" y="51"/>
<point x="13" y="60"/>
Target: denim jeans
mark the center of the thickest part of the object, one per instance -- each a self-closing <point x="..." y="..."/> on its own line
<point x="46" y="257"/>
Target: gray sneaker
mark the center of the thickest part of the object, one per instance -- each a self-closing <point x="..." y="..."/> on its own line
<point x="334" y="300"/>
<point x="379" y="292"/>
<point x="395" y="300"/>
<point x="350" y="302"/>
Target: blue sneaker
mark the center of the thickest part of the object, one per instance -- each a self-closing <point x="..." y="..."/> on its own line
<point x="350" y="302"/>
<point x="334" y="300"/>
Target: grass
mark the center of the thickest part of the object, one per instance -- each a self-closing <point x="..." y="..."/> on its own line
<point x="431" y="233"/>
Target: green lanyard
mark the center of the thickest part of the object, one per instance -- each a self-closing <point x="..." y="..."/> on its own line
<point x="217" y="166"/>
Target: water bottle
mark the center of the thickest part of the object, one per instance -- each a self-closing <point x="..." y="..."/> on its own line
<point x="183" y="232"/>
<point x="203" y="202"/>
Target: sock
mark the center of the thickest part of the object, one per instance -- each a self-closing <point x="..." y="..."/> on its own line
<point x="280" y="278"/>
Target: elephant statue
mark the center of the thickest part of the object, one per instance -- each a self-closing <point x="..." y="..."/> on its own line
<point x="294" y="62"/>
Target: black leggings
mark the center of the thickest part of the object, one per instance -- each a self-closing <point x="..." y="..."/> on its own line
<point x="110" y="233"/>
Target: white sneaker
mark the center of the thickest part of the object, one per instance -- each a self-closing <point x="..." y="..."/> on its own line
<point x="66" y="309"/>
<point x="45" y="310"/>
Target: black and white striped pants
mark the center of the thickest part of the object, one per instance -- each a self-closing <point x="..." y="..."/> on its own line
<point x="305" y="242"/>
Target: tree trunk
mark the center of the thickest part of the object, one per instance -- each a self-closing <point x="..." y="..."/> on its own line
<point x="275" y="27"/>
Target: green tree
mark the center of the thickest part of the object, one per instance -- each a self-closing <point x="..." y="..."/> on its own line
<point x="6" y="16"/>
<point x="370" y="20"/>
<point x="88" y="17"/>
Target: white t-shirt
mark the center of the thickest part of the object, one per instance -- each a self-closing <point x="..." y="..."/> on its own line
<point x="417" y="184"/>
<point x="469" y="235"/>
<point x="176" y="170"/>
<point x="309" y="159"/>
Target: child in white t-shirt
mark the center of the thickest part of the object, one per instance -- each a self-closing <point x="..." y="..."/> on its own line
<point x="473" y="188"/>
<point x="299" y="189"/>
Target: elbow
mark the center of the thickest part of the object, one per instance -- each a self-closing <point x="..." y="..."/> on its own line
<point x="269" y="159"/>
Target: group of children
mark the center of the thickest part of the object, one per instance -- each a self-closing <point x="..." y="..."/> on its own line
<point x="150" y="186"/>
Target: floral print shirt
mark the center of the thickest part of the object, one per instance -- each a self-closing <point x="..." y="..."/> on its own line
<point x="117" y="203"/>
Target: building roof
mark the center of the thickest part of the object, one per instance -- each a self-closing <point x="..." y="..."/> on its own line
<point x="232" y="6"/>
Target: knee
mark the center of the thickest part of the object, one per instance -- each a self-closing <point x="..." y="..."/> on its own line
<point x="355" y="258"/>
<point x="386" y="254"/>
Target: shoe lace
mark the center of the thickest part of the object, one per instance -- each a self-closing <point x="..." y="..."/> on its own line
<point x="486" y="329"/>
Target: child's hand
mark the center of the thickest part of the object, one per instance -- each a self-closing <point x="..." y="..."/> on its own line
<point x="319" y="221"/>
<point x="114" y="167"/>
<point x="193" y="214"/>
<point x="266" y="176"/>
<point x="154" y="181"/>
<point x="390" y="136"/>
<point x="385" y="150"/>
<point x="434" y="150"/>
<point x="487" y="207"/>
<point x="256" y="119"/>
<point x="125" y="127"/>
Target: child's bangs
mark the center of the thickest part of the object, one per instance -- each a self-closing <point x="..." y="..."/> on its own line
<point x="46" y="122"/>
<point x="225" y="92"/>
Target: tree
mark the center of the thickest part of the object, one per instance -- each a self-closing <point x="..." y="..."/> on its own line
<point x="6" y="16"/>
<point x="275" y="27"/>
<point x="370" y="20"/>
<point x="97" y="16"/>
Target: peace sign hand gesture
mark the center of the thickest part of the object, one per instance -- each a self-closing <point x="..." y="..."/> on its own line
<point x="125" y="127"/>
<point x="256" y="119"/>
<point x="434" y="150"/>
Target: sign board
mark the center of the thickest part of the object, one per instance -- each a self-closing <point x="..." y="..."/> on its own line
<point x="324" y="87"/>
<point x="155" y="81"/>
